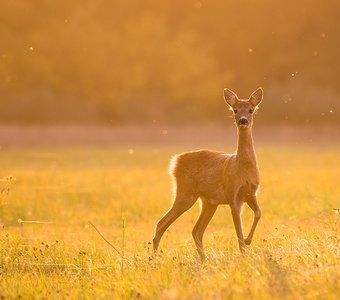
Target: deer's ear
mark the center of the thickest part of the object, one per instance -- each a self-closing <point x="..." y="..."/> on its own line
<point x="230" y="97"/>
<point x="256" y="97"/>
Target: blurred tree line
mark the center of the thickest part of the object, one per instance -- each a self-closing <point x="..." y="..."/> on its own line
<point x="167" y="61"/>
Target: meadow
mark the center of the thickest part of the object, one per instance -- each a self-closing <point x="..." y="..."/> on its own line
<point x="123" y="192"/>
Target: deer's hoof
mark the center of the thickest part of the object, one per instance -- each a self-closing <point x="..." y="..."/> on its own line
<point x="202" y="257"/>
<point x="242" y="248"/>
<point x="247" y="241"/>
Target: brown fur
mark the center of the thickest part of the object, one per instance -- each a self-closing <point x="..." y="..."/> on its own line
<point x="218" y="178"/>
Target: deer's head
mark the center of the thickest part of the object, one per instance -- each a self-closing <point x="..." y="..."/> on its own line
<point x="243" y="109"/>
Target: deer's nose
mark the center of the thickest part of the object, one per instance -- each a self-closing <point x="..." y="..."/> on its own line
<point x="243" y="121"/>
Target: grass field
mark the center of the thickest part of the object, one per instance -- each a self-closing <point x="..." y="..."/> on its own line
<point x="295" y="253"/>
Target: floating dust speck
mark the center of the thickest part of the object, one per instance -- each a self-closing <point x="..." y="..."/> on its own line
<point x="131" y="151"/>
<point x="31" y="48"/>
<point x="198" y="4"/>
<point x="250" y="50"/>
<point x="331" y="110"/>
<point x="164" y="132"/>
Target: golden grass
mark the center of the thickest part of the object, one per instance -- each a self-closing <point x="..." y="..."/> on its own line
<point x="295" y="253"/>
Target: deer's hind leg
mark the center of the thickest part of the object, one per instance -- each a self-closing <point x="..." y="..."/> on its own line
<point x="253" y="204"/>
<point x="183" y="201"/>
<point x="207" y="212"/>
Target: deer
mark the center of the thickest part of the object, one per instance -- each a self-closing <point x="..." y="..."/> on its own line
<point x="218" y="178"/>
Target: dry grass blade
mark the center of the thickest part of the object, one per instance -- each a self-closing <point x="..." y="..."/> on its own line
<point x="96" y="229"/>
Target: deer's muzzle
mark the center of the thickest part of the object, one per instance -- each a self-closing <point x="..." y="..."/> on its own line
<point x="243" y="122"/>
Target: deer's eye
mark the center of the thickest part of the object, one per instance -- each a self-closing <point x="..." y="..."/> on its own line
<point x="235" y="111"/>
<point x="251" y="111"/>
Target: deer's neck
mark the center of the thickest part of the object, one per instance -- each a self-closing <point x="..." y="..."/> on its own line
<point x="245" y="148"/>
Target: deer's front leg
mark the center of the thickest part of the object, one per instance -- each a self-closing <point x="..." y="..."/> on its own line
<point x="252" y="202"/>
<point x="236" y="209"/>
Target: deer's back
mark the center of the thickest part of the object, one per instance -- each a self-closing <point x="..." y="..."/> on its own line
<point x="202" y="173"/>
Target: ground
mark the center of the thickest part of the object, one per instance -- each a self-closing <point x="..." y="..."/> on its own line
<point x="123" y="192"/>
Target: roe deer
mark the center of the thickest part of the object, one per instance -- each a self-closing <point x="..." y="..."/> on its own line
<point x="218" y="178"/>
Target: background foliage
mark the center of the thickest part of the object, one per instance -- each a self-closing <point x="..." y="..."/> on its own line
<point x="132" y="61"/>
